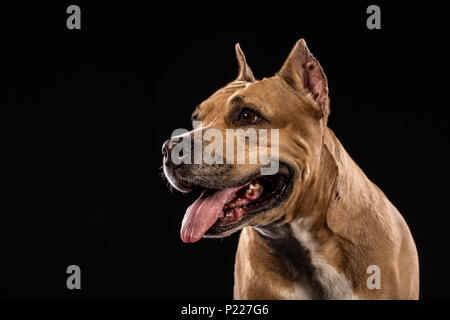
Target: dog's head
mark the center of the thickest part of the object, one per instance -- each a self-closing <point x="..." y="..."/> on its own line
<point x="292" y="107"/>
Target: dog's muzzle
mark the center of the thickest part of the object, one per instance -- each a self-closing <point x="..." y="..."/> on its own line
<point x="169" y="167"/>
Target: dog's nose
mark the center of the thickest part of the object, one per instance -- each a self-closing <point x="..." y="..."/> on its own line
<point x="166" y="148"/>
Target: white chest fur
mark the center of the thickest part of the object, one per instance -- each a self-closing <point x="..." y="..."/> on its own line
<point x="333" y="284"/>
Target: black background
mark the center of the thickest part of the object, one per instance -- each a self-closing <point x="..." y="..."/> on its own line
<point x="85" y="112"/>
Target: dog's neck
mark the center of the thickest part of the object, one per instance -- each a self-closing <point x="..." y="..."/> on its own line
<point x="300" y="241"/>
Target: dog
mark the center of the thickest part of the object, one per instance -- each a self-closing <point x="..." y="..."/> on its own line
<point x="318" y="228"/>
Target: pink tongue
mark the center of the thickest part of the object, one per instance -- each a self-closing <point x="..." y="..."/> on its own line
<point x="202" y="214"/>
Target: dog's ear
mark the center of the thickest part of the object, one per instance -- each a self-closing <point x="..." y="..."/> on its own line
<point x="303" y="72"/>
<point x="245" y="73"/>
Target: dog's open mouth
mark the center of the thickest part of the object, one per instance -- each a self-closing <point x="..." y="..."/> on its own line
<point x="216" y="212"/>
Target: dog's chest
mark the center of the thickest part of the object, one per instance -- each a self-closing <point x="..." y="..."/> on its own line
<point x="326" y="279"/>
<point x="322" y="282"/>
<point x="295" y="269"/>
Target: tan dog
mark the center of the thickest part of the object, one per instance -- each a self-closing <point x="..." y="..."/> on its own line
<point x="319" y="227"/>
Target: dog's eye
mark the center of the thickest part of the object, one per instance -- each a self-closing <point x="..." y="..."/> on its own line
<point x="248" y="116"/>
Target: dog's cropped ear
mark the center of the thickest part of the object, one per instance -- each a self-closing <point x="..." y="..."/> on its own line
<point x="245" y="73"/>
<point x="303" y="72"/>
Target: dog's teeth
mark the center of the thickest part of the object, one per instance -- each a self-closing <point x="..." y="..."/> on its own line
<point x="256" y="186"/>
<point x="248" y="191"/>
